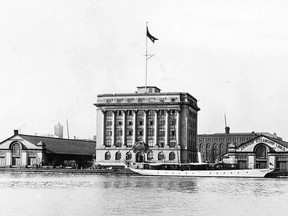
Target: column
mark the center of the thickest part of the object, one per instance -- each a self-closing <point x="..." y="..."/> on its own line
<point x="251" y="161"/>
<point x="145" y="126"/>
<point x="177" y="127"/>
<point x="166" y="127"/>
<point x="113" y="127"/>
<point x="134" y="126"/>
<point x="271" y="161"/>
<point x="103" y="126"/>
<point x="156" y="127"/>
<point x="8" y="158"/>
<point x="23" y="158"/>
<point x="40" y="157"/>
<point x="124" y="128"/>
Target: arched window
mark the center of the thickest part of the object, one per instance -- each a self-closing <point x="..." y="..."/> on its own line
<point x="16" y="149"/>
<point x="118" y="155"/>
<point x="171" y="156"/>
<point x="214" y="152"/>
<point x="201" y="148"/>
<point x="128" y="155"/>
<point x="150" y="155"/>
<point x="223" y="149"/>
<point x="107" y="155"/>
<point x="208" y="152"/>
<point x="261" y="152"/>
<point x="161" y="156"/>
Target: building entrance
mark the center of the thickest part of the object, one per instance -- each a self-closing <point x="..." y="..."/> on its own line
<point x="140" y="157"/>
<point x="261" y="157"/>
<point x="16" y="161"/>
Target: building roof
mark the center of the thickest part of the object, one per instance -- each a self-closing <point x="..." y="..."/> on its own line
<point x="280" y="141"/>
<point x="63" y="146"/>
<point x="254" y="134"/>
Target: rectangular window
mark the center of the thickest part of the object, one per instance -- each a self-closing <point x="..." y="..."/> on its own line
<point x="129" y="142"/>
<point x="150" y="131"/>
<point x="119" y="132"/>
<point x="108" y="142"/>
<point x="172" y="133"/>
<point x="118" y="142"/>
<point x="129" y="132"/>
<point x="109" y="132"/>
<point x="140" y="132"/>
<point x="161" y="142"/>
<point x="161" y="121"/>
<point x="172" y="122"/>
<point x="161" y="132"/>
<point x="31" y="161"/>
<point x="150" y="142"/>
<point x="2" y="161"/>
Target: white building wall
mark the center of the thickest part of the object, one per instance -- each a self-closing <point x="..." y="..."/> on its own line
<point x="8" y="158"/>
<point x="251" y="161"/>
<point x="23" y="158"/>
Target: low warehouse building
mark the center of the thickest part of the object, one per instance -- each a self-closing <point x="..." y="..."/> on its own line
<point x="33" y="151"/>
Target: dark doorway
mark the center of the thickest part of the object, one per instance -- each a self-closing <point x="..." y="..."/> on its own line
<point x="140" y="157"/>
<point x="261" y="157"/>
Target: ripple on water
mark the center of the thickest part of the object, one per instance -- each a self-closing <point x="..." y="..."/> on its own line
<point x="73" y="194"/>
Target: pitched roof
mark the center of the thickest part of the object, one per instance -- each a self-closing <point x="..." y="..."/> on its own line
<point x="280" y="141"/>
<point x="63" y="146"/>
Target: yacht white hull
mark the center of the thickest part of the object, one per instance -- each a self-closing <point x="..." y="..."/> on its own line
<point x="240" y="173"/>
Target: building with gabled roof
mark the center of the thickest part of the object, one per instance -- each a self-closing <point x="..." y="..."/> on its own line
<point x="22" y="150"/>
<point x="260" y="152"/>
<point x="214" y="146"/>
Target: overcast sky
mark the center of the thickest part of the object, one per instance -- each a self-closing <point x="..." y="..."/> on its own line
<point x="57" y="56"/>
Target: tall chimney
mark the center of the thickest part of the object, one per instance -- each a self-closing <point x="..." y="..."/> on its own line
<point x="16" y="132"/>
<point x="227" y="130"/>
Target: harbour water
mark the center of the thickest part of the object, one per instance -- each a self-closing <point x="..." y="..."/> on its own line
<point x="74" y="194"/>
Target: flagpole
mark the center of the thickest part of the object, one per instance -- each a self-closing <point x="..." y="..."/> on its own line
<point x="146" y="60"/>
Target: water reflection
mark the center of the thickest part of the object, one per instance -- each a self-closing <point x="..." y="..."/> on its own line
<point x="186" y="185"/>
<point x="74" y="194"/>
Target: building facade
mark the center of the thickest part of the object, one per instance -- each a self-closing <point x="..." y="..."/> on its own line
<point x="260" y="152"/>
<point x="165" y="122"/>
<point x="252" y="150"/>
<point x="214" y="146"/>
<point x="22" y="150"/>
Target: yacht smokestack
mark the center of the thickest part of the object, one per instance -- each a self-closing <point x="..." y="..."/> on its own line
<point x="199" y="157"/>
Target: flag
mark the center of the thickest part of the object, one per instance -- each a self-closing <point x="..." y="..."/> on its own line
<point x="152" y="38"/>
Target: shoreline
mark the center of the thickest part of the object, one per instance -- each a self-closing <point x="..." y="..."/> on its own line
<point x="74" y="171"/>
<point x="125" y="171"/>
